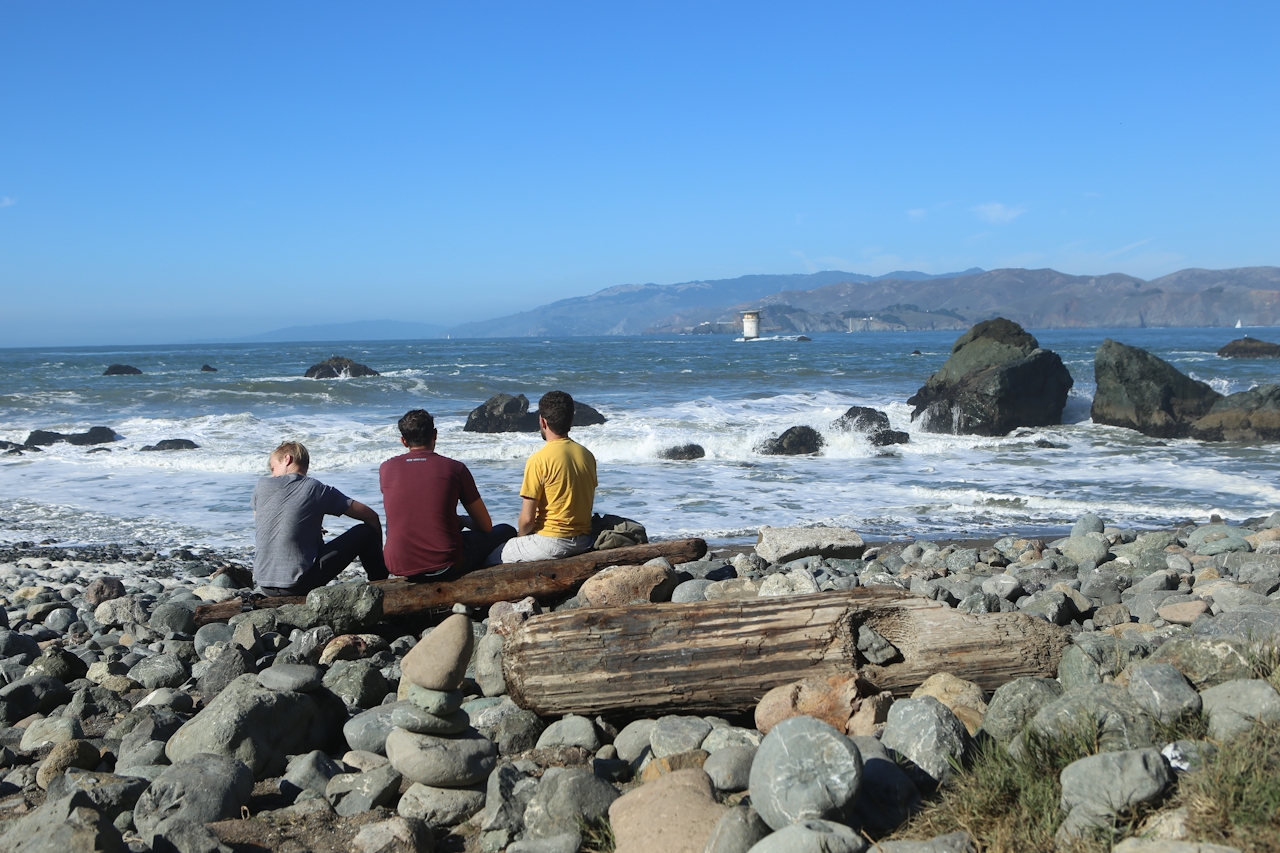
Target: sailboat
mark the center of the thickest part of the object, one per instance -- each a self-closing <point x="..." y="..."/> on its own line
<point x="1238" y="324"/>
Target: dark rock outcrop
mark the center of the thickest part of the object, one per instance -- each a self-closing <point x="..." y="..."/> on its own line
<point x="502" y="413"/>
<point x="797" y="441"/>
<point x="1250" y="348"/>
<point x="122" y="370"/>
<point x="505" y="413"/>
<point x="339" y="367"/>
<point x="1140" y="391"/>
<point x="682" y="452"/>
<point x="205" y="368"/>
<point x="873" y="423"/>
<point x="95" y="435"/>
<point x="173" y="444"/>
<point x="1252" y="415"/>
<point x="996" y="380"/>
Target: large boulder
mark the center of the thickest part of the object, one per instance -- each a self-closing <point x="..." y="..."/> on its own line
<point x="1250" y="348"/>
<point x="121" y="370"/>
<point x="260" y="726"/>
<point x="95" y="435"/>
<point x="1252" y="415"/>
<point x="996" y="380"/>
<point x="505" y="413"/>
<point x="339" y="367"/>
<point x="1140" y="391"/>
<point x="201" y="789"/>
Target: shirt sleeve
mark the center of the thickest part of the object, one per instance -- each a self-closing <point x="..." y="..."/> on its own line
<point x="532" y="486"/>
<point x="467" y="492"/>
<point x="334" y="501"/>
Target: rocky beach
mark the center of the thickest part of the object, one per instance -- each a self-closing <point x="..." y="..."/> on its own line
<point x="324" y="726"/>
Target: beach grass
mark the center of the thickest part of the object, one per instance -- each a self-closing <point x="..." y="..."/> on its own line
<point x="1010" y="802"/>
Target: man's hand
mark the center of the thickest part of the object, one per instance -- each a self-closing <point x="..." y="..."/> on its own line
<point x="360" y="512"/>
<point x="479" y="514"/>
<point x="528" y="516"/>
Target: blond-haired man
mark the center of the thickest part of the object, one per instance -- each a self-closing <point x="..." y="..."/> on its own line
<point x="290" y="554"/>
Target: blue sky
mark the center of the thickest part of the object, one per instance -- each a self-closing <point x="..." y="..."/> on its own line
<point x="171" y="171"/>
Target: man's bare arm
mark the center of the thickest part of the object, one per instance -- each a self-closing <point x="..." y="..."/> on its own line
<point x="360" y="512"/>
<point x="528" y="515"/>
<point x="479" y="513"/>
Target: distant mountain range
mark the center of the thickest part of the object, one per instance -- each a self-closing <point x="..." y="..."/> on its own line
<point x="632" y="309"/>
<point x="841" y="301"/>
<point x="364" y="330"/>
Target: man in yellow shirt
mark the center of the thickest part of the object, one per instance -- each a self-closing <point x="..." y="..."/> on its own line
<point x="557" y="493"/>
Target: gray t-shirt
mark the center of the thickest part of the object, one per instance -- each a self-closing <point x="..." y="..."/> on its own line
<point x="288" y="513"/>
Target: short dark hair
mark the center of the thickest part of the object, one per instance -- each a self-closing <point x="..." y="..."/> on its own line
<point x="557" y="408"/>
<point x="418" y="427"/>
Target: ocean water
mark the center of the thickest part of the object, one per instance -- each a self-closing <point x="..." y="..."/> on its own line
<point x="724" y="394"/>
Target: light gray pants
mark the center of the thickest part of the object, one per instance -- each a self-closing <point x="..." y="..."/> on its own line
<point x="526" y="549"/>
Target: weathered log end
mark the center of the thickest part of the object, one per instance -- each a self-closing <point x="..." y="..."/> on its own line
<point x="724" y="656"/>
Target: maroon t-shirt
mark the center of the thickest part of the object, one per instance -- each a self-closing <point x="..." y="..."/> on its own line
<point x="420" y="495"/>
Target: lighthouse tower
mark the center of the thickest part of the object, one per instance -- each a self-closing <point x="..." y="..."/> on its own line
<point x="750" y="325"/>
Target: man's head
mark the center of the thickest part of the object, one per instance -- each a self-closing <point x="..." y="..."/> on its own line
<point x="417" y="428"/>
<point x="556" y="408"/>
<point x="291" y="454"/>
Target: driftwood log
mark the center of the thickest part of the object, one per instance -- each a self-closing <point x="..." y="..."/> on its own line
<point x="722" y="656"/>
<point x="506" y="582"/>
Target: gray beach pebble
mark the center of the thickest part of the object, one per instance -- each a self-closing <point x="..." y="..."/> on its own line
<point x="675" y="734"/>
<point x="452" y="762"/>
<point x="804" y="769"/>
<point x="1234" y="707"/>
<point x="927" y="732"/>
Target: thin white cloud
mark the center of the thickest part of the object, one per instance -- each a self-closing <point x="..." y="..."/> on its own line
<point x="917" y="213"/>
<point x="1124" y="249"/>
<point x="809" y="265"/>
<point x="8" y="202"/>
<point x="998" y="213"/>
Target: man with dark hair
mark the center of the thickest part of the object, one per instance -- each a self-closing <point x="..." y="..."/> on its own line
<point x="557" y="493"/>
<point x="421" y="491"/>
<point x="290" y="554"/>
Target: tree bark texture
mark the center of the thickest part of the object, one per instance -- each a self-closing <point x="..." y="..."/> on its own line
<point x="721" y="656"/>
<point x="507" y="582"/>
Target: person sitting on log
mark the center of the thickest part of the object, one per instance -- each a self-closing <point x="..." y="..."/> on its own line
<point x="421" y="491"/>
<point x="557" y="493"/>
<point x="290" y="554"/>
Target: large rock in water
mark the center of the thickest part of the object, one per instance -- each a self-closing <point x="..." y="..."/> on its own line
<point x="505" y="413"/>
<point x="1250" y="348"/>
<point x="872" y="423"/>
<point x="1140" y="391"/>
<point x="796" y="441"/>
<point x="1252" y="415"/>
<point x="95" y="435"/>
<point x="338" y="367"/>
<point x="996" y="380"/>
<point x="122" y="370"/>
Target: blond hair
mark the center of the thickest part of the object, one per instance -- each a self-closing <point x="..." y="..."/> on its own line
<point x="297" y="450"/>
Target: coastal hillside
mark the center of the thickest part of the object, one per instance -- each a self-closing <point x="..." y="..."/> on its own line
<point x="838" y="301"/>
<point x="631" y="309"/>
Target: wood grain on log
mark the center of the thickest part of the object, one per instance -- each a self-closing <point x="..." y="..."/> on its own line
<point x="506" y="582"/>
<point x="724" y="655"/>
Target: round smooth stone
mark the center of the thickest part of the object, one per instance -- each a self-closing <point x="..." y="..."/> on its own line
<point x="292" y="677"/>
<point x="453" y="762"/>
<point x="442" y="703"/>
<point x="410" y="717"/>
<point x="804" y="770"/>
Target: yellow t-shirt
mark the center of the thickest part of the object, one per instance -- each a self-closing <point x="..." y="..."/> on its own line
<point x="561" y="477"/>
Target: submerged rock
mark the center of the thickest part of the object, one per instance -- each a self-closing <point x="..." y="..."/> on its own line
<point x="173" y="444"/>
<point x="1250" y="348"/>
<point x="872" y="423"/>
<point x="797" y="441"/>
<point x="122" y="370"/>
<point x="505" y="413"/>
<point x="1252" y="415"/>
<point x="339" y="367"/>
<point x="95" y="435"/>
